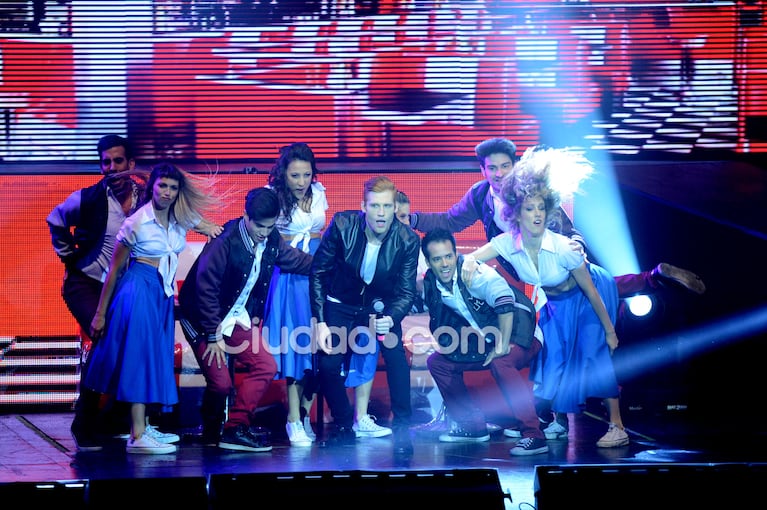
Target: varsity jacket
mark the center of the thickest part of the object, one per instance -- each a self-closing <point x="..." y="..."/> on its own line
<point x="450" y="323"/>
<point x="219" y="273"/>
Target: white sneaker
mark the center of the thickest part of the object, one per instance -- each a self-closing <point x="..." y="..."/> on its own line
<point x="555" y="431"/>
<point x="367" y="427"/>
<point x="161" y="437"/>
<point x="512" y="432"/>
<point x="614" y="437"/>
<point x="148" y="445"/>
<point x="308" y="429"/>
<point x="297" y="434"/>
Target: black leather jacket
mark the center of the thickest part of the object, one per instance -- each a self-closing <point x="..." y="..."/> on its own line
<point x="338" y="259"/>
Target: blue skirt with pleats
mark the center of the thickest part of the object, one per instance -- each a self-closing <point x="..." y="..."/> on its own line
<point x="133" y="361"/>
<point x="288" y="323"/>
<point x="575" y="362"/>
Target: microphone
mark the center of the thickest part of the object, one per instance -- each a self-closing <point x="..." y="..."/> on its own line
<point x="378" y="306"/>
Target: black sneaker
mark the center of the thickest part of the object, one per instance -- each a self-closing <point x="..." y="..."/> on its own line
<point x="403" y="445"/>
<point x="260" y="432"/>
<point x="86" y="439"/>
<point x="459" y="434"/>
<point x="85" y="443"/>
<point x="529" y="446"/>
<point x="342" y="436"/>
<point x="240" y="438"/>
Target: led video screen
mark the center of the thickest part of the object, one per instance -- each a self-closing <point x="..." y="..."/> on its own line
<point x="224" y="81"/>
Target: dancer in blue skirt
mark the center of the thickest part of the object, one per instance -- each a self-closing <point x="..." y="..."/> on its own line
<point x="577" y="300"/>
<point x="133" y="359"/>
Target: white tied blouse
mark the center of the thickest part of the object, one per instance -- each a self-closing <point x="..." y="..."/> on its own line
<point x="146" y="237"/>
<point x="303" y="223"/>
<point x="555" y="261"/>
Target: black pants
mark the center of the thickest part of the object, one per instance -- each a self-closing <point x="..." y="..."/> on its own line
<point x="92" y="417"/>
<point x="333" y="368"/>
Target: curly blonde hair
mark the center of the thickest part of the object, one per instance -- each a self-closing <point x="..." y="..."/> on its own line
<point x="552" y="174"/>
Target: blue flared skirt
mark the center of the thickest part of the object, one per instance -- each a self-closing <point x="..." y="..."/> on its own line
<point x="133" y="361"/>
<point x="288" y="323"/>
<point x="575" y="362"/>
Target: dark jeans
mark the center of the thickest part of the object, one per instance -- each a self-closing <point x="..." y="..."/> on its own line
<point x="81" y="294"/>
<point x="333" y="367"/>
<point x="94" y="415"/>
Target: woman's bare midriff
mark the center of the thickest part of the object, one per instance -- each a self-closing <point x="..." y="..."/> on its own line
<point x="562" y="287"/>
<point x="149" y="261"/>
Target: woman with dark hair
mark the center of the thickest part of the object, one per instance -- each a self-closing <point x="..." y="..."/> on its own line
<point x="288" y="323"/>
<point x="133" y="361"/>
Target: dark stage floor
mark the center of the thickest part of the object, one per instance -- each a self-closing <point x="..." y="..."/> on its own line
<point x="38" y="448"/>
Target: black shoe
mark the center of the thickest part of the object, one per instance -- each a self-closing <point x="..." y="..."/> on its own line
<point x="403" y="445"/>
<point x="529" y="446"/>
<point x="210" y="437"/>
<point x="342" y="436"/>
<point x="260" y="432"/>
<point x="466" y="434"/>
<point x="86" y="443"/>
<point x="85" y="439"/>
<point x="239" y="438"/>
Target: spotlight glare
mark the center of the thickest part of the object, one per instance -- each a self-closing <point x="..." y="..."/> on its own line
<point x="639" y="306"/>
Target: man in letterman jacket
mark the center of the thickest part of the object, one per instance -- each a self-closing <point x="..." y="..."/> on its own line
<point x="222" y="302"/>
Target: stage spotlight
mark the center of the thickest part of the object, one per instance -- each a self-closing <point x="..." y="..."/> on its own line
<point x="640" y="306"/>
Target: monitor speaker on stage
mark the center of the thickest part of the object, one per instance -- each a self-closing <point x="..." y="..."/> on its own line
<point x="54" y="494"/>
<point x="470" y="488"/>
<point x="658" y="486"/>
<point x="182" y="493"/>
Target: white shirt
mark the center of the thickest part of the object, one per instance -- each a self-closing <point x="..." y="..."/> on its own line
<point x="146" y="237"/>
<point x="238" y="315"/>
<point x="556" y="259"/>
<point x="303" y="223"/>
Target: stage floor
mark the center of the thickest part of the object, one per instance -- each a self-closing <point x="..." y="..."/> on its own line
<point x="39" y="448"/>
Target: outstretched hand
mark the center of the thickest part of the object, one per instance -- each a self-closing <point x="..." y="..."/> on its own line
<point x="468" y="269"/>
<point x="214" y="352"/>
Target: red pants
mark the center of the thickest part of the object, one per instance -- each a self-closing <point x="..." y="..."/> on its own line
<point x="258" y="369"/>
<point x="516" y="389"/>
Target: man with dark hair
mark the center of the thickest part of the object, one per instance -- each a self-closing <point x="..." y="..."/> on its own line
<point x="223" y="305"/>
<point x="365" y="257"/>
<point x="487" y="325"/>
<point x="83" y="230"/>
